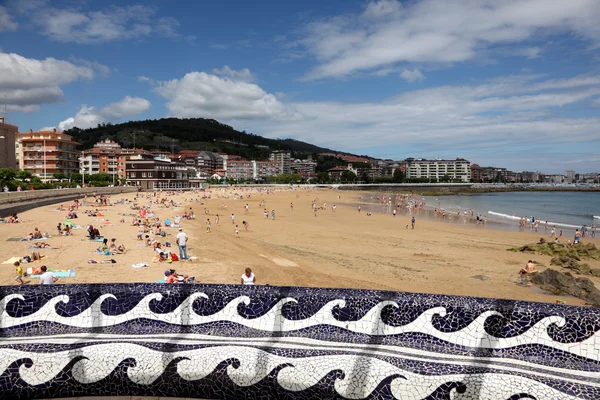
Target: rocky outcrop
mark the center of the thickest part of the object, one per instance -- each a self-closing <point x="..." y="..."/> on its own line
<point x="577" y="252"/>
<point x="558" y="283"/>
<point x="574" y="265"/>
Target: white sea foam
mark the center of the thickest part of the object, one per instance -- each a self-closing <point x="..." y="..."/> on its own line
<point x="596" y="216"/>
<point x="361" y="373"/>
<point x="542" y="222"/>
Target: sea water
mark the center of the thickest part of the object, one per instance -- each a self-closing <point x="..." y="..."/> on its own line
<point x="566" y="210"/>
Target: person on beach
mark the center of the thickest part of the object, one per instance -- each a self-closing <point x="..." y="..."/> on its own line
<point x="292" y="206"/>
<point x="359" y="209"/>
<point x="182" y="243"/>
<point x="529" y="268"/>
<point x="394" y="212"/>
<point x="19" y="273"/>
<point x="217" y="219"/>
<point x="333" y="207"/>
<point x="577" y="236"/>
<point x="273" y="214"/>
<point x="593" y="231"/>
<point x="553" y="231"/>
<point x="248" y="277"/>
<point x="237" y="232"/>
<point x="47" y="278"/>
<point x="120" y="249"/>
<point x="412" y="221"/>
<point x="246" y="225"/>
<point x="232" y="219"/>
<point x="208" y="225"/>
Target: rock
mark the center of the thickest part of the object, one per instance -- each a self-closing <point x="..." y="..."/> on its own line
<point x="480" y="277"/>
<point x="574" y="265"/>
<point x="587" y="250"/>
<point x="558" y="282"/>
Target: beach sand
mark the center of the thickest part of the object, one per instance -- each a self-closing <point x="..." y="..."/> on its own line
<point x="343" y="249"/>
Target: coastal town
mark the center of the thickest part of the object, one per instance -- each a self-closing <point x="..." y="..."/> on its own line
<point x="53" y="156"/>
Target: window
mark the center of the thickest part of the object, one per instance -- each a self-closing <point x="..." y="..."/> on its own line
<point x="143" y="174"/>
<point x="149" y="174"/>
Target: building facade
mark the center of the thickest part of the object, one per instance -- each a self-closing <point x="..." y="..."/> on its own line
<point x="262" y="170"/>
<point x="284" y="159"/>
<point x="240" y="169"/>
<point x="305" y="168"/>
<point x="46" y="153"/>
<point x="458" y="170"/>
<point x="7" y="145"/>
<point x="106" y="157"/>
<point x="149" y="172"/>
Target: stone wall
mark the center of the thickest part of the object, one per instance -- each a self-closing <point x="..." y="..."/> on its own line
<point x="13" y="202"/>
<point x="230" y="341"/>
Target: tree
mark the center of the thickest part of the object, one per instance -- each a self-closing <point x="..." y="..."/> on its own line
<point x="348" y="176"/>
<point x="76" y="177"/>
<point x="23" y="175"/>
<point x="365" y="178"/>
<point x="398" y="175"/>
<point x="446" y="178"/>
<point x="7" y="174"/>
<point x="322" y="177"/>
<point x="59" y="175"/>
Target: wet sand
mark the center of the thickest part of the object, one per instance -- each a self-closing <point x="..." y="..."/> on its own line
<point x="334" y="249"/>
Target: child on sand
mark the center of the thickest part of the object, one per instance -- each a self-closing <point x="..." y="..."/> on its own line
<point x="19" y="270"/>
<point x="237" y="232"/>
<point x="245" y="224"/>
<point x="207" y="225"/>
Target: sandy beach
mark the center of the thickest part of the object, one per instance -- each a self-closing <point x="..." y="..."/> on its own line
<point x="344" y="248"/>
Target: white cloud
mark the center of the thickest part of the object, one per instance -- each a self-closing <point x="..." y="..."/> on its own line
<point x="27" y="82"/>
<point x="110" y="24"/>
<point x="89" y="117"/>
<point x="386" y="34"/>
<point x="475" y="121"/>
<point x="7" y="23"/>
<point x="129" y="106"/>
<point x="412" y="76"/>
<point x="241" y="75"/>
<point x="199" y="94"/>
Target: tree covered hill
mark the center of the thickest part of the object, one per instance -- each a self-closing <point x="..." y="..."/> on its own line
<point x="194" y="134"/>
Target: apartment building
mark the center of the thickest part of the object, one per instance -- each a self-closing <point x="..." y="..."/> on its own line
<point x="456" y="170"/>
<point x="45" y="153"/>
<point x="7" y="145"/>
<point x="305" y="168"/>
<point x="284" y="159"/>
<point x="265" y="169"/>
<point x="154" y="172"/>
<point x="240" y="169"/>
<point x="106" y="157"/>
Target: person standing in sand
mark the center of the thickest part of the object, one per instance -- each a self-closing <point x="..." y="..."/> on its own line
<point x="553" y="231"/>
<point x="207" y="225"/>
<point x="237" y="232"/>
<point x="232" y="219"/>
<point x="412" y="221"/>
<point x="182" y="243"/>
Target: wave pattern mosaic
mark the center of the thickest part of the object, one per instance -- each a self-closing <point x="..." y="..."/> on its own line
<point x="224" y="341"/>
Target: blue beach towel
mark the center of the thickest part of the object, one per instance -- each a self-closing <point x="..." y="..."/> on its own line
<point x="59" y="274"/>
<point x="41" y="248"/>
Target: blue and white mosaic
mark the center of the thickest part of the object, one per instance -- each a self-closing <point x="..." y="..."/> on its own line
<point x="225" y="341"/>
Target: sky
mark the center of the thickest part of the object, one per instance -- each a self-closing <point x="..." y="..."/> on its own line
<point x="511" y="83"/>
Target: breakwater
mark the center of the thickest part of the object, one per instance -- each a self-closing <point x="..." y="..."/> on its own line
<point x="233" y="341"/>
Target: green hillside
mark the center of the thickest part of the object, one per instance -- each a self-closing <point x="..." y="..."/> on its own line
<point x="194" y="134"/>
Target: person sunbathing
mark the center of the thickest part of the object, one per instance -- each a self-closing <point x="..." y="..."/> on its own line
<point x="43" y="245"/>
<point x="529" y="268"/>
<point x="120" y="249"/>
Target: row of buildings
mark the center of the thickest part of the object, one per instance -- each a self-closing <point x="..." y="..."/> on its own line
<point x="46" y="153"/>
<point x="438" y="170"/>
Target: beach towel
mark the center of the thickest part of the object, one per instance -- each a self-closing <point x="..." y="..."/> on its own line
<point x="14" y="239"/>
<point x="41" y="248"/>
<point x="141" y="265"/>
<point x="59" y="274"/>
<point x="160" y="281"/>
<point x="12" y="260"/>
<point x="111" y="261"/>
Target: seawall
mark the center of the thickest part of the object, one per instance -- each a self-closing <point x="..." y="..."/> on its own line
<point x="16" y="202"/>
<point x="231" y="341"/>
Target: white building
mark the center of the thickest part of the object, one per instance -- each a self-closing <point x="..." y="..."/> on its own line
<point x="456" y="170"/>
<point x="284" y="159"/>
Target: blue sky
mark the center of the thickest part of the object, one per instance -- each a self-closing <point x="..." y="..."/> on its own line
<point x="513" y="83"/>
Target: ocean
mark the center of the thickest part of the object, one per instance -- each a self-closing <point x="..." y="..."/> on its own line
<point x="566" y="210"/>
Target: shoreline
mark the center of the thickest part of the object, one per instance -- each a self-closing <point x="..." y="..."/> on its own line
<point x="341" y="249"/>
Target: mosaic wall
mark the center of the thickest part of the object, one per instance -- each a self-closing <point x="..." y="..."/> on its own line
<point x="225" y="341"/>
